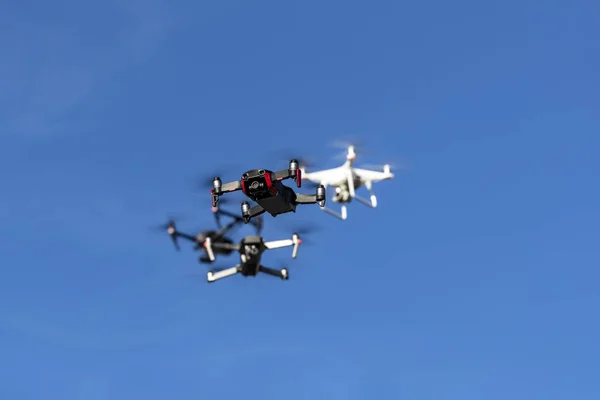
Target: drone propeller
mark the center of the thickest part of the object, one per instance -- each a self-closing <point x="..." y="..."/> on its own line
<point x="387" y="166"/>
<point x="346" y="154"/>
<point x="285" y="155"/>
<point x="171" y="222"/>
<point x="345" y="143"/>
<point x="301" y="230"/>
<point x="171" y="229"/>
<point x="306" y="229"/>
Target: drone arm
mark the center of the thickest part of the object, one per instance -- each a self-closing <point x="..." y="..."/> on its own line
<point x="228" y="214"/>
<point x="176" y="235"/>
<point x="210" y="246"/>
<point x="281" y="175"/>
<point x="273" y="272"/>
<point x="230" y="187"/>
<point x="318" y="197"/>
<point x="250" y="212"/>
<point x="185" y="236"/>
<point x="226" y="228"/>
<point x="220" y="188"/>
<point x="293" y="171"/>
<point x="277" y="244"/>
<point x="257" y="223"/>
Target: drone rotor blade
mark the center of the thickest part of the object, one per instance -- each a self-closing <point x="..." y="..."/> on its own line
<point x="171" y="229"/>
<point x="284" y="156"/>
<point x="343" y="144"/>
<point x="303" y="229"/>
<point x="403" y="165"/>
<point x="171" y="221"/>
<point x="306" y="229"/>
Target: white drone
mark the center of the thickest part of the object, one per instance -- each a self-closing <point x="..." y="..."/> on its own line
<point x="346" y="179"/>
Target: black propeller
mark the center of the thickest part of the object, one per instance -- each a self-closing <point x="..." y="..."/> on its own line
<point x="302" y="229"/>
<point x="283" y="156"/>
<point x="171" y="228"/>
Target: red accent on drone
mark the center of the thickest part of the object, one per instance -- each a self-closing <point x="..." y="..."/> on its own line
<point x="269" y="183"/>
<point x="299" y="177"/>
<point x="243" y="182"/>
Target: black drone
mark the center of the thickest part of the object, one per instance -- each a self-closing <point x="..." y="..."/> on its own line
<point x="217" y="237"/>
<point x="265" y="188"/>
<point x="251" y="249"/>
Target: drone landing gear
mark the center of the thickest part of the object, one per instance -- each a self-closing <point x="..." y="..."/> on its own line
<point x="372" y="203"/>
<point x="205" y="260"/>
<point x="373" y="198"/>
<point x="225" y="273"/>
<point x="280" y="273"/>
<point x="250" y="212"/>
<point x="343" y="215"/>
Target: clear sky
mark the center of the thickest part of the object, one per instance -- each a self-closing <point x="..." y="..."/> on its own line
<point x="475" y="278"/>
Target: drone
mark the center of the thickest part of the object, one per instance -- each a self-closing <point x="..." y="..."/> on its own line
<point x="214" y="236"/>
<point x="346" y="179"/>
<point x="265" y="188"/>
<point x="251" y="249"/>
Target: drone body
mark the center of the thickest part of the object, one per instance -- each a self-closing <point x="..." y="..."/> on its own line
<point x="266" y="189"/>
<point x="346" y="179"/>
<point x="218" y="237"/>
<point x="251" y="249"/>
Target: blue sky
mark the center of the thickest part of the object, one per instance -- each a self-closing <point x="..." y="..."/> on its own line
<point x="475" y="278"/>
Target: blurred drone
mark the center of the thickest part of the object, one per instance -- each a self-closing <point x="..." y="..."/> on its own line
<point x="265" y="188"/>
<point x="251" y="249"/>
<point x="346" y="179"/>
<point x="216" y="237"/>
